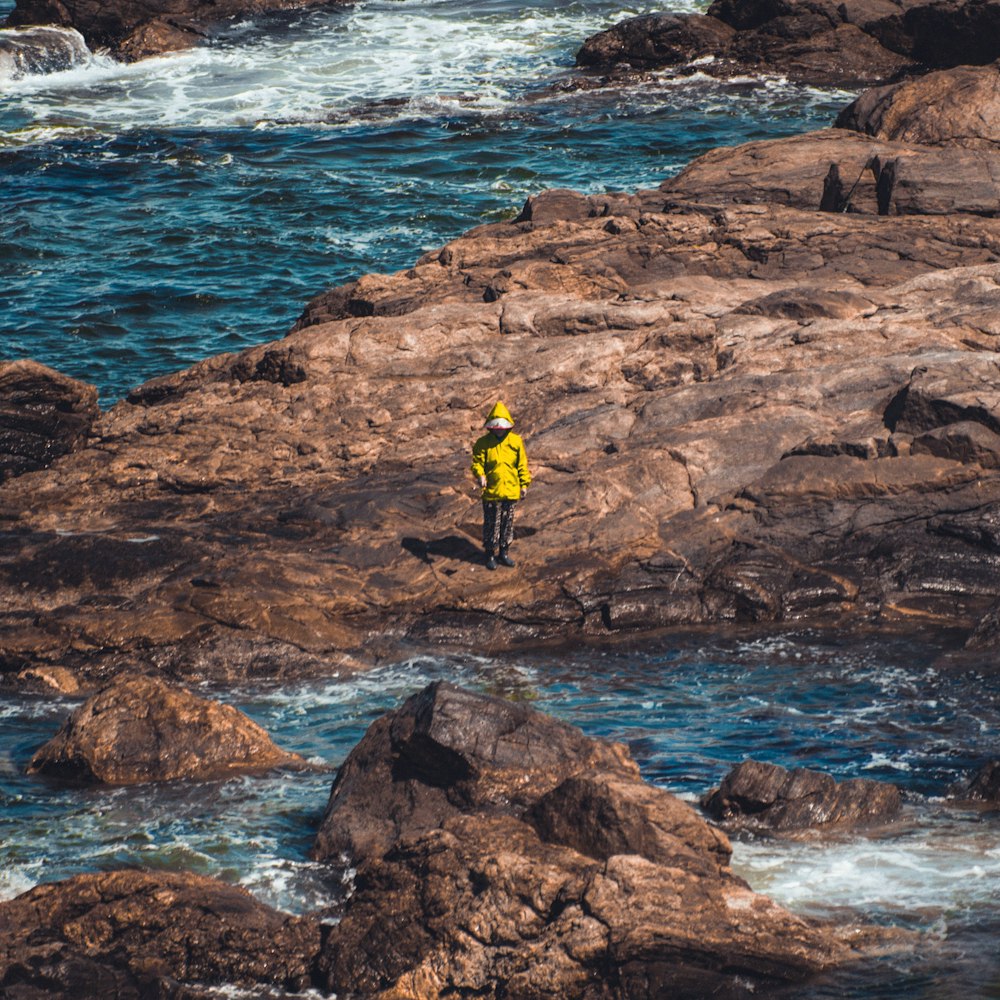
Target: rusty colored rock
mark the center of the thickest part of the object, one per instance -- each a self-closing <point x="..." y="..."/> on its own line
<point x="142" y="729"/>
<point x="134" y="934"/>
<point x="565" y="877"/>
<point x="759" y="796"/>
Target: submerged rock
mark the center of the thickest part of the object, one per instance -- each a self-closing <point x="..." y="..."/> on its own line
<point x="43" y="415"/>
<point x="136" y="934"/>
<point x="26" y="51"/>
<point x="142" y="729"/>
<point x="502" y="853"/>
<point x="760" y="796"/>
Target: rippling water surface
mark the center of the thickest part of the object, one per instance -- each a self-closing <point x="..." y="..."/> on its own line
<point x="158" y="213"/>
<point x="879" y="709"/>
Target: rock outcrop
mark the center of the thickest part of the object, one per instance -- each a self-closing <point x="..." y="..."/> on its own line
<point x="760" y="796"/>
<point x="136" y="934"/>
<point x="141" y="729"/>
<point x="42" y="415"/>
<point x="955" y="107"/>
<point x="566" y="876"/>
<point x="737" y="408"/>
<point x="984" y="785"/>
<point x="822" y="42"/>
<point x="40" y="50"/>
<point x="133" y="29"/>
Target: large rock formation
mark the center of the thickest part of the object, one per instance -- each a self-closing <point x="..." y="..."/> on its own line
<point x="501" y="853"/>
<point x="820" y="42"/>
<point x="737" y="408"/>
<point x="133" y="29"/>
<point x="42" y="415"/>
<point x="760" y="796"/>
<point x="141" y="729"/>
<point x="136" y="934"/>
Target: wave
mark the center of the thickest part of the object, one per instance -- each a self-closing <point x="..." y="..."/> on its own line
<point x="40" y="50"/>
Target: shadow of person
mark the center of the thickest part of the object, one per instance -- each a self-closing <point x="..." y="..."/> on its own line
<point x="449" y="547"/>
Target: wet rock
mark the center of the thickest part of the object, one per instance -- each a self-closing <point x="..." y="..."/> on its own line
<point x="959" y="107"/>
<point x="760" y="796"/>
<point x="135" y="934"/>
<point x="142" y="729"/>
<point x="42" y="415"/>
<point x="565" y="877"/>
<point x="25" y="51"/>
<point x="132" y="30"/>
<point x="985" y="784"/>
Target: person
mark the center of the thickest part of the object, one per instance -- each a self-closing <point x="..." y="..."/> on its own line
<point x="500" y="467"/>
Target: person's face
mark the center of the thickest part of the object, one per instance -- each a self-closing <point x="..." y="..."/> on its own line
<point x="500" y="432"/>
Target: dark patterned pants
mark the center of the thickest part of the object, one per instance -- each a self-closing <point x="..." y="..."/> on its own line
<point x="498" y="525"/>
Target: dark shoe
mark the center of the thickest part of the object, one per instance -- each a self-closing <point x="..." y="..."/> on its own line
<point x="491" y="563"/>
<point x="505" y="560"/>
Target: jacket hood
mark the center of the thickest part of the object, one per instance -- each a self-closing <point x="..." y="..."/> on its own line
<point x="499" y="416"/>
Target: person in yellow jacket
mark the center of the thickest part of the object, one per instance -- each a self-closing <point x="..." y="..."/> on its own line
<point x="500" y="466"/>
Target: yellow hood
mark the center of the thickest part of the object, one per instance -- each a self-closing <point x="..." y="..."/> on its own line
<point x="499" y="412"/>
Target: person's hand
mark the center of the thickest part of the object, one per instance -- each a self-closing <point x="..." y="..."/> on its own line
<point x="524" y="492"/>
<point x="482" y="482"/>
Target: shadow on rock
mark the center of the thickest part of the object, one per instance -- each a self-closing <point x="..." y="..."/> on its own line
<point x="449" y="547"/>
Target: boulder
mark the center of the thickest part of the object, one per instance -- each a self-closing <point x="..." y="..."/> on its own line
<point x="132" y="29"/>
<point x="134" y="934"/>
<point x="27" y="51"/>
<point x="985" y="784"/>
<point x="759" y="796"/>
<point x="141" y="729"/>
<point x="954" y="107"/>
<point x="42" y="415"/>
<point x="502" y="853"/>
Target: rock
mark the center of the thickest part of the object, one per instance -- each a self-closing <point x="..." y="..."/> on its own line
<point x="721" y="400"/>
<point x="42" y="415"/>
<point x="958" y="107"/>
<point x="985" y="784"/>
<point x="448" y="749"/>
<point x="131" y="29"/>
<point x="568" y="877"/>
<point x="26" y="51"/>
<point x="760" y="796"/>
<point x="142" y="729"/>
<point x="135" y="934"/>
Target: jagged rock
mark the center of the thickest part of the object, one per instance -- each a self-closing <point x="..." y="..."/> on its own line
<point x="959" y="107"/>
<point x="42" y="415"/>
<point x="40" y="50"/>
<point x="502" y="853"/>
<point x="762" y="796"/>
<point x="822" y="42"/>
<point x="142" y="729"/>
<point x="985" y="784"/>
<point x="135" y="934"/>
<point x="132" y="29"/>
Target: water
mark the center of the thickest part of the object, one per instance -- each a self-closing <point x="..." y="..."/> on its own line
<point x="689" y="711"/>
<point x="158" y="213"/>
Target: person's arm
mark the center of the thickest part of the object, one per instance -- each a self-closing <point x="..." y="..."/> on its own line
<point x="478" y="464"/>
<point x="523" y="474"/>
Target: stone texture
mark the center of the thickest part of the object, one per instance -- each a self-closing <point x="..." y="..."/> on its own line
<point x="141" y="729"/>
<point x="759" y="796"/>
<point x="502" y="853"/>
<point x="135" y="934"/>
<point x="959" y="107"/>
<point x="135" y="29"/>
<point x="736" y="409"/>
<point x="822" y="42"/>
<point x="985" y="784"/>
<point x="42" y="415"/>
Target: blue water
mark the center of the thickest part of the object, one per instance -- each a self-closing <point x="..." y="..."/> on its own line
<point x="155" y="214"/>
<point x="882" y="708"/>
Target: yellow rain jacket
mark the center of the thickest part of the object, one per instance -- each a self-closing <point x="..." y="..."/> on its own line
<point x="503" y="463"/>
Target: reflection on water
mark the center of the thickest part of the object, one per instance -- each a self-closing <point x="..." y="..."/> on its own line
<point x="874" y="708"/>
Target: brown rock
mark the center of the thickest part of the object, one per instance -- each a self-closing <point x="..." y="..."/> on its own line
<point x="132" y="29"/>
<point x="42" y="415"/>
<point x="959" y="107"/>
<point x="763" y="796"/>
<point x="135" y="934"/>
<point x="985" y="784"/>
<point x="141" y="729"/>
<point x="569" y="877"/>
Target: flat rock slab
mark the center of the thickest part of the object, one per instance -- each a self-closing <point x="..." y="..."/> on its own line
<point x="142" y="729"/>
<point x="760" y="796"/>
<point x="135" y="934"/>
